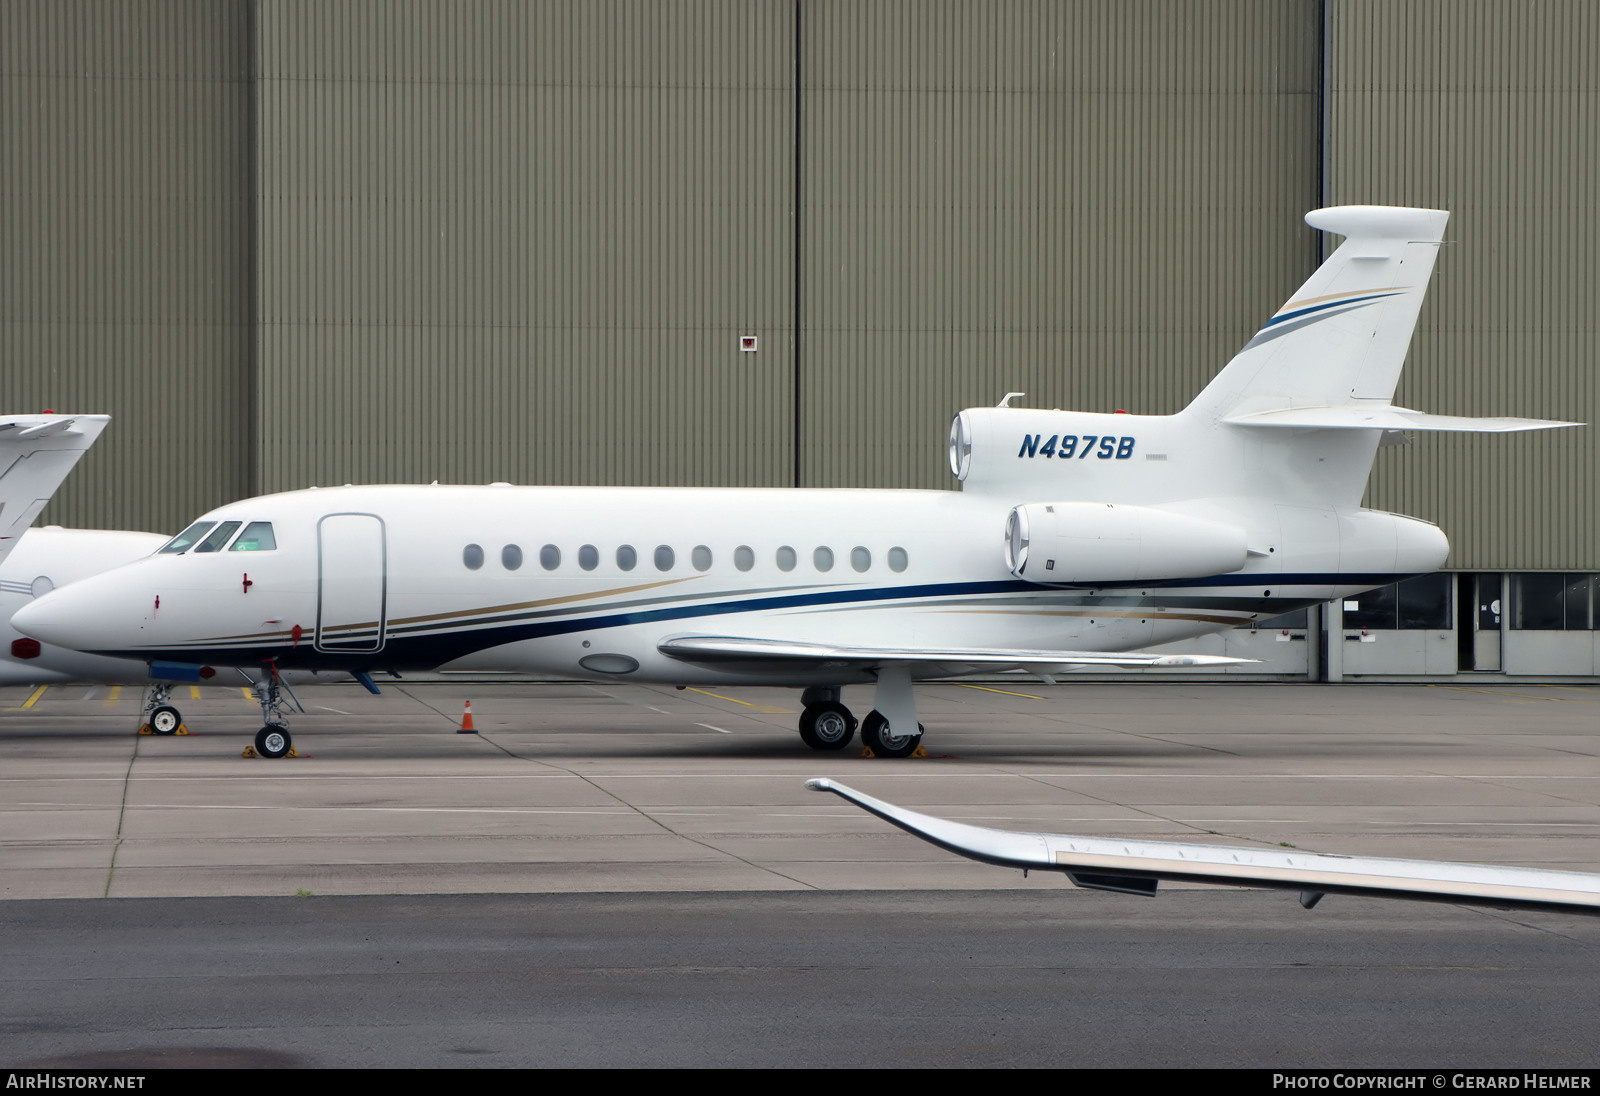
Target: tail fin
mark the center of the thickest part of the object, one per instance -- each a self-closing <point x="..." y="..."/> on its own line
<point x="36" y="453"/>
<point x="1341" y="339"/>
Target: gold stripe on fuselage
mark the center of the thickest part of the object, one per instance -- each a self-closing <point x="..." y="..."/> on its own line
<point x="460" y="613"/>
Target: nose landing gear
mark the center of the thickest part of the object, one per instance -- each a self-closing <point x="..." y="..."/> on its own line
<point x="273" y="739"/>
<point x="161" y="717"/>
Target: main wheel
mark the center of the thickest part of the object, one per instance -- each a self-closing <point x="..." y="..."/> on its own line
<point x="166" y="720"/>
<point x="273" y="740"/>
<point x="827" y="726"/>
<point x="876" y="735"/>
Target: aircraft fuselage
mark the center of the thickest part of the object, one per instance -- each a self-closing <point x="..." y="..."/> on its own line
<point x="586" y="582"/>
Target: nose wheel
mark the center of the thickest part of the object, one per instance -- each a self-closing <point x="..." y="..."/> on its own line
<point x="273" y="740"/>
<point x="159" y="716"/>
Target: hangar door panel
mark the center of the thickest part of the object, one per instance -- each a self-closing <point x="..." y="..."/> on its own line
<point x="351" y="583"/>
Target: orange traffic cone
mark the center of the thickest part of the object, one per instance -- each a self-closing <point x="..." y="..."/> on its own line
<point x="466" y="721"/>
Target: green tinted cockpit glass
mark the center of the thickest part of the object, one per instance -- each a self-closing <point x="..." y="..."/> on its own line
<point x="218" y="537"/>
<point x="257" y="537"/>
<point x="183" y="540"/>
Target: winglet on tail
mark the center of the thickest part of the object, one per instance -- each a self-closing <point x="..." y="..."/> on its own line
<point x="1341" y="339"/>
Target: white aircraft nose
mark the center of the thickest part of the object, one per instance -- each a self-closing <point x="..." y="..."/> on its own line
<point x="63" y="617"/>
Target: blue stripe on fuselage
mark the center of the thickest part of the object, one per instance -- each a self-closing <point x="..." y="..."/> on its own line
<point x="427" y="651"/>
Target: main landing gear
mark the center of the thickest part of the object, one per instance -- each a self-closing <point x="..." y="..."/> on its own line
<point x="826" y="724"/>
<point x="273" y="740"/>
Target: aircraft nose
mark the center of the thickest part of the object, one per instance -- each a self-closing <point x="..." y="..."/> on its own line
<point x="63" y="617"/>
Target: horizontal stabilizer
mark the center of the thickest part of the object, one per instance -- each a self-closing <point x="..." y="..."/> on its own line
<point x="1101" y="863"/>
<point x="1387" y="417"/>
<point x="789" y="654"/>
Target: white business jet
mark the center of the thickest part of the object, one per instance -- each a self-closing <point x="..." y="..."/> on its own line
<point x="1074" y="539"/>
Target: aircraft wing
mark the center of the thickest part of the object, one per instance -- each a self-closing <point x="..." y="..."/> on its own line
<point x="1136" y="867"/>
<point x="788" y="654"/>
<point x="36" y="453"/>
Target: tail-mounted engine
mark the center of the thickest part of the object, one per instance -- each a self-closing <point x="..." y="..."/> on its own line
<point x="1088" y="543"/>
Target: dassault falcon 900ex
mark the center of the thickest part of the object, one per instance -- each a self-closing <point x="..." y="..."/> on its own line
<point x="1074" y="538"/>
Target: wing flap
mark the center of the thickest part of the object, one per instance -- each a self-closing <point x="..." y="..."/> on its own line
<point x="1135" y="866"/>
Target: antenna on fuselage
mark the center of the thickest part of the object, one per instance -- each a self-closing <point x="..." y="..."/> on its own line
<point x="1009" y="396"/>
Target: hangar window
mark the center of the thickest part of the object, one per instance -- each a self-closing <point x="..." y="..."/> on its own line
<point x="786" y="558"/>
<point x="744" y="557"/>
<point x="1417" y="603"/>
<point x="897" y="560"/>
<point x="627" y="558"/>
<point x="511" y="557"/>
<point x="860" y="559"/>
<point x="1284" y="622"/>
<point x="257" y="537"/>
<point x="823" y="558"/>
<point x="472" y="556"/>
<point x="665" y="557"/>
<point x="183" y="540"/>
<point x="218" y="537"/>
<point x="588" y="557"/>
<point x="549" y="557"/>
<point x="701" y="557"/>
<point x="1554" y="601"/>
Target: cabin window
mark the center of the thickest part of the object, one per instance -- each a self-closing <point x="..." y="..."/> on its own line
<point x="897" y="560"/>
<point x="257" y="537"/>
<point x="860" y="559"/>
<point x="549" y="557"/>
<point x="664" y="558"/>
<point x="701" y="557"/>
<point x="511" y="557"/>
<point x="744" y="557"/>
<point x="218" y="537"/>
<point x="183" y="540"/>
<point x="786" y="558"/>
<point x="588" y="557"/>
<point x="472" y="556"/>
<point x="823" y="558"/>
<point x="627" y="558"/>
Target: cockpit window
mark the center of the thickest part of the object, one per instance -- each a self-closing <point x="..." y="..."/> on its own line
<point x="218" y="537"/>
<point x="257" y="537"/>
<point x="185" y="539"/>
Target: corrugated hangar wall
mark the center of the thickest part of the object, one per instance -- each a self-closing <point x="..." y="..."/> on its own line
<point x="418" y="240"/>
<point x="1487" y="108"/>
<point x="505" y="241"/>
<point x="1095" y="204"/>
<point x="125" y="222"/>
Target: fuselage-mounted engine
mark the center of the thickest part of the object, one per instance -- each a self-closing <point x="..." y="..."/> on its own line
<point x="1093" y="543"/>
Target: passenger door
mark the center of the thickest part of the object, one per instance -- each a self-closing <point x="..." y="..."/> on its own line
<point x="352" y="582"/>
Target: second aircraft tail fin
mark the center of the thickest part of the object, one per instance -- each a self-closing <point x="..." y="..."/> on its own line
<point x="36" y="453"/>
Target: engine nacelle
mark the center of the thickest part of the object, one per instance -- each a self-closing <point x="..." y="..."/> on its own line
<point x="1083" y="543"/>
